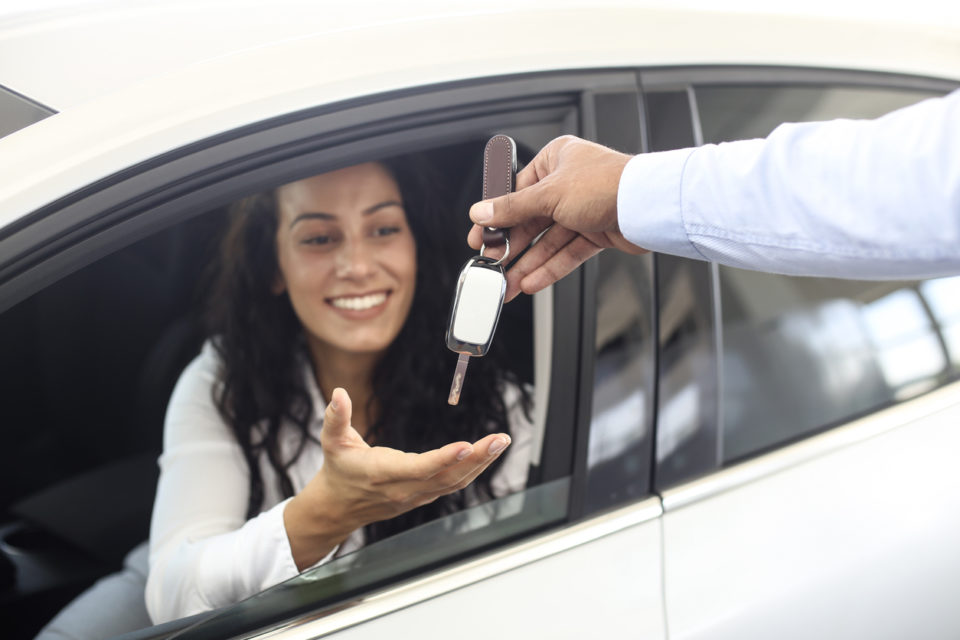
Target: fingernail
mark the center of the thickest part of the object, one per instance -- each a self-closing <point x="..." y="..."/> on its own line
<point x="464" y="453"/>
<point x="482" y="212"/>
<point x="497" y="446"/>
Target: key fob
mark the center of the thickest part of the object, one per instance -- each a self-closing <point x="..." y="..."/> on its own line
<point x="482" y="283"/>
<point x="476" y="306"/>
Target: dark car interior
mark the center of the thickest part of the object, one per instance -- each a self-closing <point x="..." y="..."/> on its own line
<point x="88" y="365"/>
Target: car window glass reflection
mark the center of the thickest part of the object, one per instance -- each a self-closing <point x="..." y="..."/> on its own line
<point x="943" y="298"/>
<point x="687" y="441"/>
<point x="618" y="456"/>
<point x="740" y="113"/>
<point x="801" y="354"/>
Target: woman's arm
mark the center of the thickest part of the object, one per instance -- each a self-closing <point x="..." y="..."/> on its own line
<point x="203" y="552"/>
<point x="199" y="528"/>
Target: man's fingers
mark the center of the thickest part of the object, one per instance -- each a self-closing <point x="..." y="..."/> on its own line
<point x="520" y="237"/>
<point x="549" y="244"/>
<point x="514" y="208"/>
<point x="571" y="256"/>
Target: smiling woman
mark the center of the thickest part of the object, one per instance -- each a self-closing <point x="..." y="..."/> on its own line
<point x="348" y="262"/>
<point x="286" y="440"/>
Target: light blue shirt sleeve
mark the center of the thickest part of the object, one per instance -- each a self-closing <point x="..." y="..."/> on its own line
<point x="874" y="199"/>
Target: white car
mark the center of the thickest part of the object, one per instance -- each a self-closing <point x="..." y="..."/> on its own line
<point x="719" y="453"/>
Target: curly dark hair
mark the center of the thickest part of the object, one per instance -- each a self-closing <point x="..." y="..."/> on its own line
<point x="260" y="341"/>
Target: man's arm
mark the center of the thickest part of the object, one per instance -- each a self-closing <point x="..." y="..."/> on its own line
<point x="855" y="199"/>
<point x="876" y="199"/>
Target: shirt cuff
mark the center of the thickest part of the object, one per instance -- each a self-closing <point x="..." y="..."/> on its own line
<point x="649" y="207"/>
<point x="272" y="557"/>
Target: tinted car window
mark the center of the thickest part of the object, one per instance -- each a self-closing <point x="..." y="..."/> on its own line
<point x="687" y="418"/>
<point x="738" y="113"/>
<point x="17" y="111"/>
<point x="618" y="455"/>
<point x="800" y="354"/>
<point x="944" y="303"/>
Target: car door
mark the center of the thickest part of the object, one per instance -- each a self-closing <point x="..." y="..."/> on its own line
<point x="806" y="425"/>
<point x="134" y="242"/>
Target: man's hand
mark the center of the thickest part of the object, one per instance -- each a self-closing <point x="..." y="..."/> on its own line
<point x="359" y="484"/>
<point x="568" y="189"/>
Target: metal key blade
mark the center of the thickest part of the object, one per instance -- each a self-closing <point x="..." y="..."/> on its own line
<point x="457" y="386"/>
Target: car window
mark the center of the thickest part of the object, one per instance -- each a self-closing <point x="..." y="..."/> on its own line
<point x="741" y="112"/>
<point x="91" y="360"/>
<point x="17" y="111"/>
<point x="802" y="354"/>
<point x="621" y="355"/>
<point x="621" y="428"/>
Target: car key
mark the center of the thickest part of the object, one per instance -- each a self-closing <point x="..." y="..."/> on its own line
<point x="482" y="283"/>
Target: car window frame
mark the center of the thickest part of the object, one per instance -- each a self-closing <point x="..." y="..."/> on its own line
<point x="44" y="245"/>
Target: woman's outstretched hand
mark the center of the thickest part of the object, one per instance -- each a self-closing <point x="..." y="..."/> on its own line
<point x="359" y="484"/>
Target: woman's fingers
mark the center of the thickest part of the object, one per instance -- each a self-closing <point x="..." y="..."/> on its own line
<point x="440" y="471"/>
<point x="426" y="466"/>
<point x="336" y="419"/>
<point x="489" y="449"/>
<point x="337" y="431"/>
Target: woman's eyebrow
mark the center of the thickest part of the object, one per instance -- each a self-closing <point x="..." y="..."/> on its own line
<point x="381" y="205"/>
<point x="319" y="215"/>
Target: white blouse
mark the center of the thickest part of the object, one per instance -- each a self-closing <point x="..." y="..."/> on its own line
<point x="204" y="553"/>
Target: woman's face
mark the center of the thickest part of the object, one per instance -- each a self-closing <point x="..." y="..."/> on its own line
<point x="347" y="258"/>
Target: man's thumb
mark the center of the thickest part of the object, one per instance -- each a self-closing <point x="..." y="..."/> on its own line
<point x="511" y="209"/>
<point x="337" y="416"/>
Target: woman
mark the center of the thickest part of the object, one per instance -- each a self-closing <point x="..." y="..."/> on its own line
<point x="333" y="287"/>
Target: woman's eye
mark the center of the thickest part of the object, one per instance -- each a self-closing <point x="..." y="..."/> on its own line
<point x="317" y="240"/>
<point x="386" y="231"/>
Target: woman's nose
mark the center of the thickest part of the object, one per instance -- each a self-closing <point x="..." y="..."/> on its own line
<point x="354" y="260"/>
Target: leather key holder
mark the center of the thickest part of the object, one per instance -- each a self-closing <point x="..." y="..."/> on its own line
<point x="499" y="173"/>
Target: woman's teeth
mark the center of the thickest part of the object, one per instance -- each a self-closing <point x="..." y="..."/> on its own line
<point x="360" y="303"/>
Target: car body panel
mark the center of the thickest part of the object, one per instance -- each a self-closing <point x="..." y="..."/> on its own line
<point x="849" y="534"/>
<point x="102" y="135"/>
<point x="558" y="597"/>
<point x="534" y="589"/>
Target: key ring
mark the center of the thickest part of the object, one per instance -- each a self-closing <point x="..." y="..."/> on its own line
<point x="506" y="253"/>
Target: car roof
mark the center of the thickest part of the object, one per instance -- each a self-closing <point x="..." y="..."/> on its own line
<point x="133" y="80"/>
<point x="72" y="51"/>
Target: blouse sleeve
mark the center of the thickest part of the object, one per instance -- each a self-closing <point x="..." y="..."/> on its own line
<point x="204" y="553"/>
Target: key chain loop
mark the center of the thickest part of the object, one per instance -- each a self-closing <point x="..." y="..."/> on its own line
<point x="506" y="253"/>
